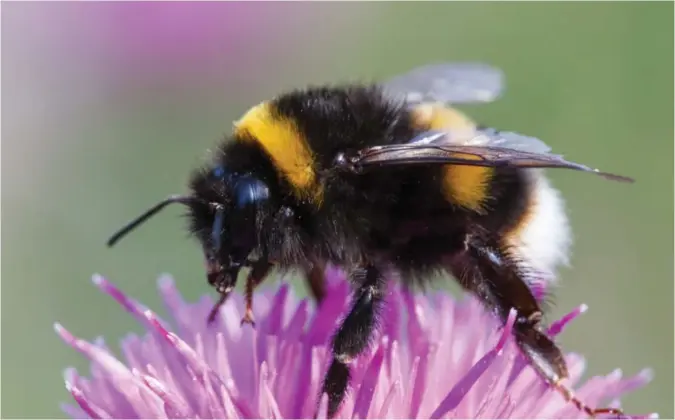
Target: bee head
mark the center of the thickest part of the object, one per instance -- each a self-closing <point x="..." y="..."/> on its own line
<point x="225" y="211"/>
<point x="227" y="221"/>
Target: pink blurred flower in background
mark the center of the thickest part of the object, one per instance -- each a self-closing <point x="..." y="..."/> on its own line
<point x="71" y="68"/>
<point x="436" y="357"/>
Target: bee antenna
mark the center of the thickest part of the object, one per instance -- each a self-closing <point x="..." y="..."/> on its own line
<point x="182" y="199"/>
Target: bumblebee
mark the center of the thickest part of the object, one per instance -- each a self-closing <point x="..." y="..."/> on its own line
<point x="381" y="179"/>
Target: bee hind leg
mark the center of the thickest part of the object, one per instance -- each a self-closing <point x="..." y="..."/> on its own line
<point x="354" y="335"/>
<point x="485" y="268"/>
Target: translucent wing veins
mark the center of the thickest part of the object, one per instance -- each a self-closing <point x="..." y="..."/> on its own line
<point x="489" y="148"/>
<point x="447" y="83"/>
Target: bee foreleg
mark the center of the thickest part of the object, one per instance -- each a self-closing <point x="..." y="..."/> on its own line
<point x="354" y="335"/>
<point x="257" y="274"/>
<point x="216" y="308"/>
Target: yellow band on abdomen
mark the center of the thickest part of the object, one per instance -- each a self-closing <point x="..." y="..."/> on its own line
<point x="466" y="186"/>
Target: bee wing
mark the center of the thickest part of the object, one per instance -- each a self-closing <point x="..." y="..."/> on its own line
<point x="483" y="136"/>
<point x="486" y="147"/>
<point x="447" y="83"/>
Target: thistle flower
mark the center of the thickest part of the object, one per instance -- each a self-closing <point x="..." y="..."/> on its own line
<point x="436" y="357"/>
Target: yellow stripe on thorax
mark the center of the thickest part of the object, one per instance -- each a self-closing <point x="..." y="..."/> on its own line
<point x="467" y="186"/>
<point x="285" y="145"/>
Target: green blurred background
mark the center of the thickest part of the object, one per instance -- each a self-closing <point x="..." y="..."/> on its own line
<point x="106" y="106"/>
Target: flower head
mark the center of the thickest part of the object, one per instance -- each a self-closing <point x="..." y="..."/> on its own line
<point x="436" y="357"/>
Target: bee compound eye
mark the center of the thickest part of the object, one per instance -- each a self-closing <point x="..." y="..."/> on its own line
<point x="250" y="190"/>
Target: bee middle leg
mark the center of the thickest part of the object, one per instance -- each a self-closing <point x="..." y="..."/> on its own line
<point x="315" y="275"/>
<point x="354" y="335"/>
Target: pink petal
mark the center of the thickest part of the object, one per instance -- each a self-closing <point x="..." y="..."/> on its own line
<point x="435" y="357"/>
